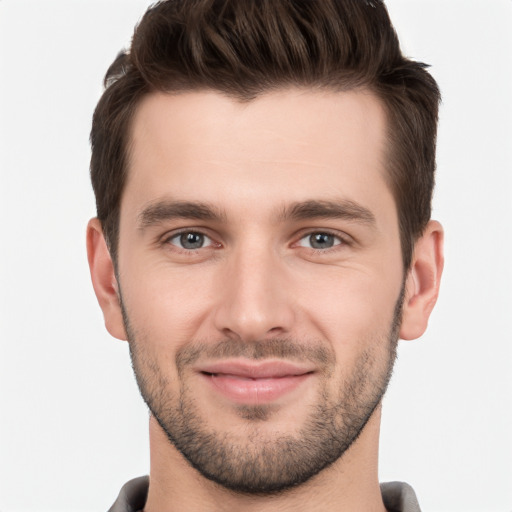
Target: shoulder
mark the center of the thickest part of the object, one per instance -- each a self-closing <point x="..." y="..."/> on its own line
<point x="399" y="497"/>
<point x="132" y="496"/>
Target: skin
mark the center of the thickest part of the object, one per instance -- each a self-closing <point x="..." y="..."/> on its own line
<point x="252" y="164"/>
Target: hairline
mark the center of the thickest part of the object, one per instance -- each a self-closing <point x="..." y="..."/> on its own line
<point x="389" y="151"/>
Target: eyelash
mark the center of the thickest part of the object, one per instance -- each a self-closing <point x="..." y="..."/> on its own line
<point x="343" y="240"/>
<point x="167" y="240"/>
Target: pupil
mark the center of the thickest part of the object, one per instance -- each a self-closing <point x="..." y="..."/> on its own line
<point x="321" y="241"/>
<point x="192" y="240"/>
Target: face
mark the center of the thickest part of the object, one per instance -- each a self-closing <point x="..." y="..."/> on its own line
<point x="261" y="278"/>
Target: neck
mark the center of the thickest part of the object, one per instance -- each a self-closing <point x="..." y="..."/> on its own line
<point x="351" y="483"/>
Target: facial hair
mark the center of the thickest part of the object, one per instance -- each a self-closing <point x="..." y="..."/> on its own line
<point x="257" y="463"/>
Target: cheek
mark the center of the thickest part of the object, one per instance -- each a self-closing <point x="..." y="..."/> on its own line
<point x="352" y="309"/>
<point x="168" y="304"/>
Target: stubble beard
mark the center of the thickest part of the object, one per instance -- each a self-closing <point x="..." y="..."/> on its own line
<point x="261" y="464"/>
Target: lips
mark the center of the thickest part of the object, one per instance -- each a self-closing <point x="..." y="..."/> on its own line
<point x="254" y="383"/>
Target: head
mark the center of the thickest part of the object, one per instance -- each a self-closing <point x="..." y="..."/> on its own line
<point x="244" y="49"/>
<point x="263" y="174"/>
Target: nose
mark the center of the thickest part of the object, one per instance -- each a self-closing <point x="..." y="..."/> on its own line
<point x="254" y="302"/>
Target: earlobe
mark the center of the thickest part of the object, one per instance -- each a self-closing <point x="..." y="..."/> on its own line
<point x="422" y="283"/>
<point x="104" y="279"/>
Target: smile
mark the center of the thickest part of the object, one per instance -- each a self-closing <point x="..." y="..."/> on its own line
<point x="247" y="383"/>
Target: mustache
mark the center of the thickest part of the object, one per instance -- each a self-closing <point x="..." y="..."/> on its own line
<point x="292" y="350"/>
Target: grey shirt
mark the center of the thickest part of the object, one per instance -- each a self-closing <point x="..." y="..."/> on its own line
<point x="397" y="496"/>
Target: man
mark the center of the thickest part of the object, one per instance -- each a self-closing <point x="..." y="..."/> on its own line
<point x="263" y="172"/>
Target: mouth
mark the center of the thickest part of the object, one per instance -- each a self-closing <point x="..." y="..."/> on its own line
<point x="245" y="382"/>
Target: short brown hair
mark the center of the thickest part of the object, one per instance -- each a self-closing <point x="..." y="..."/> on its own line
<point x="244" y="48"/>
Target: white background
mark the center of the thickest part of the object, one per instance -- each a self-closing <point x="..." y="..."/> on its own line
<point x="72" y="426"/>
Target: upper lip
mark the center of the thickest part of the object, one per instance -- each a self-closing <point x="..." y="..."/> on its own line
<point x="256" y="370"/>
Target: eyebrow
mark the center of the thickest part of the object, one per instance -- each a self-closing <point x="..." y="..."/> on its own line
<point x="340" y="209"/>
<point x="165" y="210"/>
<point x="161" y="211"/>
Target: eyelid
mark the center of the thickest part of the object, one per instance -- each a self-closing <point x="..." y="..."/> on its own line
<point x="207" y="240"/>
<point x="170" y="235"/>
<point x="343" y="237"/>
<point x="337" y="241"/>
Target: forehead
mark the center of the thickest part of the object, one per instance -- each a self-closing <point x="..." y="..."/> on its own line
<point x="285" y="145"/>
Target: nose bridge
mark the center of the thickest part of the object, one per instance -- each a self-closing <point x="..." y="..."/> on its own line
<point x="253" y="304"/>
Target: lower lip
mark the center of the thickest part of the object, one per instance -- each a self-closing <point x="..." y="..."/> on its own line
<point x="255" y="391"/>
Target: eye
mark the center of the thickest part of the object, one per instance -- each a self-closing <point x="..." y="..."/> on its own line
<point x="320" y="240"/>
<point x="190" y="240"/>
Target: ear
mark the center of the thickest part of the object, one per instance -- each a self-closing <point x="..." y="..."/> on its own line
<point x="422" y="283"/>
<point x="104" y="279"/>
